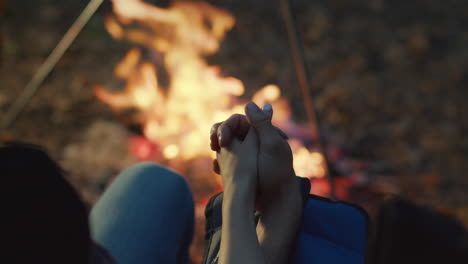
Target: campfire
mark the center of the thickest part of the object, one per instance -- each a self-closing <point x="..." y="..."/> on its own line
<point x="168" y="89"/>
<point x="176" y="95"/>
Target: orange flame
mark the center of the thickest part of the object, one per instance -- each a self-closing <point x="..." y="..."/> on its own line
<point x="179" y="117"/>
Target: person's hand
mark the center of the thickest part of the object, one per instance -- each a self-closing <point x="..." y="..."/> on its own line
<point x="280" y="201"/>
<point x="275" y="160"/>
<point x="237" y="163"/>
<point x="275" y="168"/>
<point x="223" y="133"/>
<point x="279" y="198"/>
<point x="238" y="167"/>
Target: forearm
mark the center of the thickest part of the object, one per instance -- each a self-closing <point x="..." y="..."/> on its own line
<point x="279" y="225"/>
<point x="239" y="242"/>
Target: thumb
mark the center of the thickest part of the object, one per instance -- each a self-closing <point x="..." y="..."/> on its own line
<point x="260" y="119"/>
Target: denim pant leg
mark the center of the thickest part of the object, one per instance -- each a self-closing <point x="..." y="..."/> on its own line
<point x="146" y="216"/>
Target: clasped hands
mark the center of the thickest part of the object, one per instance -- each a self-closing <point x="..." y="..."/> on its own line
<point x="255" y="162"/>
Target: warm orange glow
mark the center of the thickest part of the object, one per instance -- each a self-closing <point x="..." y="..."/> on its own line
<point x="307" y="163"/>
<point x="171" y="151"/>
<point x="125" y="68"/>
<point x="269" y="93"/>
<point x="178" y="117"/>
<point x="114" y="28"/>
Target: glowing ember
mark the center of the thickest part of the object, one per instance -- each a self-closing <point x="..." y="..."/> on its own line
<point x="143" y="148"/>
<point x="178" y="118"/>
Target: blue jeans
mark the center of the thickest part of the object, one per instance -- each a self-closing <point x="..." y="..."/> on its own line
<point x="146" y="216"/>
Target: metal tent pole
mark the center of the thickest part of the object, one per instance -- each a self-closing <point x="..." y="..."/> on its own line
<point x="303" y="79"/>
<point x="34" y="84"/>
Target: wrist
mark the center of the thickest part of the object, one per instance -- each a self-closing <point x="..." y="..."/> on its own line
<point x="239" y="182"/>
<point x="239" y="195"/>
<point x="279" y="224"/>
<point x="289" y="191"/>
<point x="288" y="198"/>
<point x="238" y="210"/>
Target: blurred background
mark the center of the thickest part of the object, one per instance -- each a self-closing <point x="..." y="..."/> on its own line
<point x="388" y="83"/>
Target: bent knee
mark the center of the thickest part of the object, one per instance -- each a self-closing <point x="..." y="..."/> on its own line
<point x="151" y="175"/>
